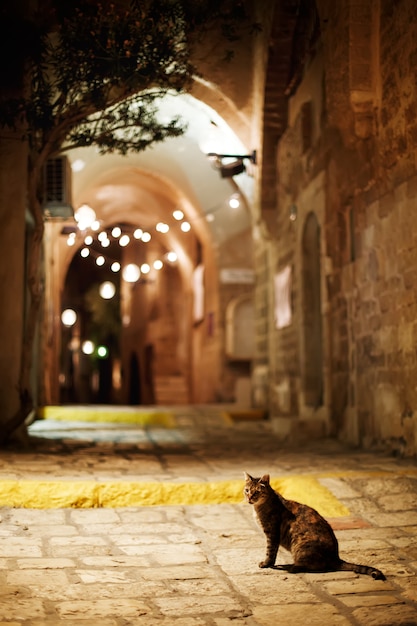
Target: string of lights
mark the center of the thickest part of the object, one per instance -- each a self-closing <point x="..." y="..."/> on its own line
<point x="122" y="235"/>
<point x="89" y="228"/>
<point x="98" y="243"/>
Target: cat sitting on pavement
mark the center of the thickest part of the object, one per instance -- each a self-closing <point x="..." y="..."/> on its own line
<point x="299" y="529"/>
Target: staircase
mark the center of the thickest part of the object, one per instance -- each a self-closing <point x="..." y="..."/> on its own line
<point x="171" y="390"/>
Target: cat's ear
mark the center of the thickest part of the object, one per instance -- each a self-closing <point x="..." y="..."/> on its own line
<point x="247" y="476"/>
<point x="265" y="479"/>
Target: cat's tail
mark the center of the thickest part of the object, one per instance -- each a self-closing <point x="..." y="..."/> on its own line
<point x="362" y="569"/>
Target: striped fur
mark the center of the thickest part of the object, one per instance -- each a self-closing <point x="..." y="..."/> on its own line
<point x="299" y="529"/>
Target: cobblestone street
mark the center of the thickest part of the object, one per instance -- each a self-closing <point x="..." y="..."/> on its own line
<point x="195" y="565"/>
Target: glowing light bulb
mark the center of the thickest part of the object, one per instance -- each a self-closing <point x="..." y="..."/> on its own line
<point x="78" y="165"/>
<point x="178" y="215"/>
<point x="84" y="216"/>
<point x="116" y="232"/>
<point x="124" y="240"/>
<point x="185" y="227"/>
<point x="138" y="233"/>
<point x="131" y="273"/>
<point x="107" y="290"/>
<point x="146" y="237"/>
<point x="234" y="202"/>
<point x="115" y="267"/>
<point x="158" y="265"/>
<point x="172" y="257"/>
<point x="145" y="268"/>
<point x="161" y="227"/>
<point x="100" y="260"/>
<point x="68" y="317"/>
<point x="85" y="252"/>
<point x="87" y="347"/>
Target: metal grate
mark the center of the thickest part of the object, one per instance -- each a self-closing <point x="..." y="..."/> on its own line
<point x="56" y="188"/>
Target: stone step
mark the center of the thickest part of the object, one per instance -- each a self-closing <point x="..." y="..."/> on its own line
<point x="171" y="390"/>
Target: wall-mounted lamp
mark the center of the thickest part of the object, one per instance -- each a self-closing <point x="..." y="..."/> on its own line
<point x="227" y="170"/>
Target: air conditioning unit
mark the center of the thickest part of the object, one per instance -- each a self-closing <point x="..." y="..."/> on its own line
<point x="57" y="189"/>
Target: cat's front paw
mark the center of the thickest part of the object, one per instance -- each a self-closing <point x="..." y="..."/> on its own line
<point x="264" y="564"/>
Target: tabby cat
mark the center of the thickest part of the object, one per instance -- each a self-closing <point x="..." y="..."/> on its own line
<point x="299" y="529"/>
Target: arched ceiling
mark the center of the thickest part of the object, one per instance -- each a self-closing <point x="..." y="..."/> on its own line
<point x="145" y="188"/>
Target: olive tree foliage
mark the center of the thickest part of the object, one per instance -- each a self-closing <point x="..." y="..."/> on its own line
<point x="92" y="74"/>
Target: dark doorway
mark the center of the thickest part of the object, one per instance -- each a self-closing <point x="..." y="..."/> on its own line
<point x="312" y="315"/>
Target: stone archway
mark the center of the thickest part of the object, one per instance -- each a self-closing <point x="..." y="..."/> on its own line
<point x="312" y="369"/>
<point x="146" y="189"/>
<point x="145" y="325"/>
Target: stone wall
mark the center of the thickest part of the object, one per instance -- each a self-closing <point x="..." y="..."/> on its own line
<point x="359" y="140"/>
<point x="261" y="377"/>
<point x="383" y="295"/>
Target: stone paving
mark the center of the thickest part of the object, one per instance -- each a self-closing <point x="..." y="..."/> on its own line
<point x="196" y="565"/>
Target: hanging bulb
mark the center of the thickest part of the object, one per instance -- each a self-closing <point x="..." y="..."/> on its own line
<point x="161" y="227"/>
<point x="84" y="216"/>
<point x="178" y="215"/>
<point x="131" y="273"/>
<point x="107" y="290"/>
<point x="172" y="257"/>
<point x="124" y="241"/>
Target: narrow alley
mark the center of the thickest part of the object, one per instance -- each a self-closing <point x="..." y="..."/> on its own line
<point x="128" y="558"/>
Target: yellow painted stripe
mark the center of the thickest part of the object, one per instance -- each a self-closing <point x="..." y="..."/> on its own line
<point x="87" y="494"/>
<point x="250" y="415"/>
<point x="104" y="415"/>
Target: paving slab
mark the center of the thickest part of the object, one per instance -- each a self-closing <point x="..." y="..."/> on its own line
<point x="194" y="564"/>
